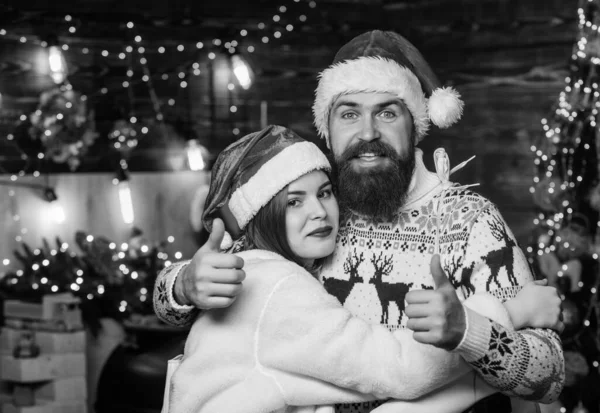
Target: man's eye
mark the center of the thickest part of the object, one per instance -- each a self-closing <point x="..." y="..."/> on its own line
<point x="348" y="115"/>
<point x="388" y="114"/>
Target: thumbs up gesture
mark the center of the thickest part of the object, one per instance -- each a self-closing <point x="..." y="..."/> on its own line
<point x="212" y="279"/>
<point x="436" y="316"/>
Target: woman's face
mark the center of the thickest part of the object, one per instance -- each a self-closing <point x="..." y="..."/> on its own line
<point x="312" y="215"/>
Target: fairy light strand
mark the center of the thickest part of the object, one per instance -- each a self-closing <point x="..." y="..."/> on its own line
<point x="561" y="159"/>
<point x="268" y="32"/>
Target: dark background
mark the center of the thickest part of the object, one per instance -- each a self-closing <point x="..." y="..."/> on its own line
<point x="507" y="58"/>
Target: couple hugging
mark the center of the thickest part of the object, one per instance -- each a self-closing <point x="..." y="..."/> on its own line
<point x="367" y="283"/>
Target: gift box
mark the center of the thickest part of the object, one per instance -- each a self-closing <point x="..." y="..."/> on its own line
<point x="42" y="368"/>
<point x="42" y="357"/>
<point x="72" y="388"/>
<point x="56" y="312"/>
<point x="49" y="342"/>
<point x="48" y="407"/>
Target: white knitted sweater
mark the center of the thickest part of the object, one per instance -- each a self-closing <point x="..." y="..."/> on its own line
<point x="286" y="343"/>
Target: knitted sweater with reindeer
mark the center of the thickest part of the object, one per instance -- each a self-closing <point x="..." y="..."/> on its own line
<point x="375" y="265"/>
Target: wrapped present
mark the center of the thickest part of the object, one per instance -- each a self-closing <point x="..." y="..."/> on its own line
<point x="56" y="312"/>
<point x="43" y="367"/>
<point x="71" y="406"/>
<point x="72" y="388"/>
<point x="49" y="342"/>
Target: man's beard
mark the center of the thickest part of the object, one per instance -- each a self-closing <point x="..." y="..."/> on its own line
<point x="375" y="192"/>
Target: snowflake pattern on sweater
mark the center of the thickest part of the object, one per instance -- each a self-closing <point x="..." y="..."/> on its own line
<point x="375" y="265"/>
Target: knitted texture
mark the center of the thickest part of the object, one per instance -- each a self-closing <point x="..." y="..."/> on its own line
<point x="288" y="343"/>
<point x="375" y="265"/>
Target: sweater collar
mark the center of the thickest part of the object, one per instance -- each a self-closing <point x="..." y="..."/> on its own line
<point x="422" y="183"/>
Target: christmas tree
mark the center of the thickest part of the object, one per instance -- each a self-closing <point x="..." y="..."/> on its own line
<point x="114" y="281"/>
<point x="566" y="192"/>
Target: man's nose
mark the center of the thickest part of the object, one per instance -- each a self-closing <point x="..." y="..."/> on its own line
<point x="369" y="130"/>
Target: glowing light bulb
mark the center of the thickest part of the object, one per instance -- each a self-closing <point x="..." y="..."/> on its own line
<point x="57" y="212"/>
<point x="126" y="202"/>
<point x="58" y="65"/>
<point x="242" y="71"/>
<point x="195" y="155"/>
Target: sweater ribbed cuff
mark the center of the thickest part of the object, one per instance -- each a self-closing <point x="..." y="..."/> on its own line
<point x="171" y="278"/>
<point x="476" y="340"/>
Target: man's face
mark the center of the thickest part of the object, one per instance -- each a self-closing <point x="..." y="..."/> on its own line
<point x="373" y="148"/>
<point x="368" y="117"/>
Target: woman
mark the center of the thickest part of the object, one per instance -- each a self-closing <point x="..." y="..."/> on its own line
<point x="286" y="342"/>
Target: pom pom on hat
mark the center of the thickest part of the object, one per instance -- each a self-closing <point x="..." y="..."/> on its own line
<point x="445" y="107"/>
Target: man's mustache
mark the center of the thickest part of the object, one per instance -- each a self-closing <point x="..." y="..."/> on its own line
<point x="377" y="147"/>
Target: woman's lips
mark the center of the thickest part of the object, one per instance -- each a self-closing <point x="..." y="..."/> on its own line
<point x="321" y="232"/>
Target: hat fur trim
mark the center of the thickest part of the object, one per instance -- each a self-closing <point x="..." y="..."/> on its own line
<point x="369" y="74"/>
<point x="278" y="172"/>
<point x="445" y="107"/>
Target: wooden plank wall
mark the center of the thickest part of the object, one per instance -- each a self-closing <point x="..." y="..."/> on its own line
<point x="91" y="203"/>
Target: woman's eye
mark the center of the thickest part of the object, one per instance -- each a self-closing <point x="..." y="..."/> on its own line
<point x="325" y="193"/>
<point x="293" y="202"/>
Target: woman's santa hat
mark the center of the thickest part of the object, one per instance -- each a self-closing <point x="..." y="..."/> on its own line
<point x="251" y="171"/>
<point x="385" y="62"/>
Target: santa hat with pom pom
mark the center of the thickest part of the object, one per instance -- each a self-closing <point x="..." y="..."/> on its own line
<point x="386" y="62"/>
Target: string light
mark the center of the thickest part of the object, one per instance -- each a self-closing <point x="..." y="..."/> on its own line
<point x="565" y="167"/>
<point x="57" y="212"/>
<point x="196" y="155"/>
<point x="58" y="67"/>
<point x="13" y="206"/>
<point x="138" y="39"/>
<point x="125" y="200"/>
<point x="58" y="64"/>
<point x="242" y="71"/>
<point x="40" y="272"/>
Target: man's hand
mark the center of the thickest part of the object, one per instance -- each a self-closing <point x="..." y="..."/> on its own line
<point x="212" y="279"/>
<point x="436" y="316"/>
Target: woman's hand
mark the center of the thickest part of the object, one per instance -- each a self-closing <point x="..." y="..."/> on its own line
<point x="212" y="279"/>
<point x="537" y="305"/>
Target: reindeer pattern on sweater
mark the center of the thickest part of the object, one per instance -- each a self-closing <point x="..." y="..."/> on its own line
<point x="375" y="265"/>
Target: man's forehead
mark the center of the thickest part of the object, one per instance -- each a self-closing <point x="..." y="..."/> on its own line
<point x="367" y="99"/>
